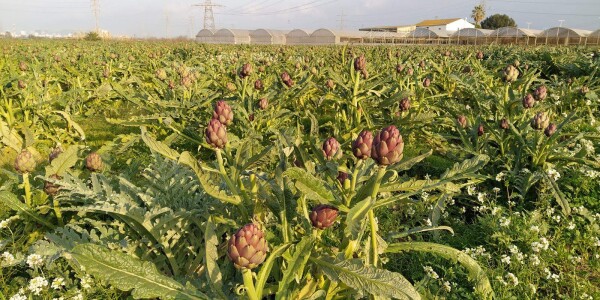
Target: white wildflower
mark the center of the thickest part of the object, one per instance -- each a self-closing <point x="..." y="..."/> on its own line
<point x="496" y="210"/>
<point x="597" y="242"/>
<point x="501" y="280"/>
<point x="410" y="211"/>
<point x="556" y="218"/>
<point x="513" y="249"/>
<point x="504" y="222"/>
<point x="7" y="259"/>
<point x="430" y="272"/>
<point x="553" y="174"/>
<point x="462" y="210"/>
<point x="447" y="286"/>
<point x="500" y="176"/>
<point x="534" y="228"/>
<point x="18" y="296"/>
<point x="471" y="190"/>
<point x="37" y="284"/>
<point x="496" y="190"/>
<point x="512" y="279"/>
<point x="58" y="283"/>
<point x="86" y="282"/>
<point x="535" y="260"/>
<point x="4" y="223"/>
<point x="481" y="197"/>
<point x="424" y="196"/>
<point x="571" y="226"/>
<point x="35" y="261"/>
<point x="505" y="259"/>
<point x="428" y="222"/>
<point x="79" y="296"/>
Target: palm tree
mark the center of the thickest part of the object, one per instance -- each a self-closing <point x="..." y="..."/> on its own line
<point x="478" y="14"/>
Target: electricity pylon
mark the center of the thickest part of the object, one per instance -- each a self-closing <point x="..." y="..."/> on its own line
<point x="209" y="19"/>
<point x="96" y="11"/>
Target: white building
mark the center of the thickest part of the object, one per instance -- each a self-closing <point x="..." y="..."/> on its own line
<point x="448" y="25"/>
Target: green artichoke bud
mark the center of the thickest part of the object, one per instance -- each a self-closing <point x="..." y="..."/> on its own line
<point x="540" y="93"/>
<point x="410" y="71"/>
<point x="247" y="248"/>
<point x="223" y="113"/>
<point x="361" y="147"/>
<point x="528" y="101"/>
<point x="462" y="121"/>
<point x="161" y="74"/>
<point x="231" y="86"/>
<point x="22" y="66"/>
<point x="216" y="134"/>
<point x="25" y="162"/>
<point x="479" y="55"/>
<point x="480" y="130"/>
<point x="550" y="130"/>
<point x="93" y="162"/>
<point x="330" y="84"/>
<point x="360" y="63"/>
<point x="388" y="146"/>
<point x="540" y="121"/>
<point x="504" y="124"/>
<point x="584" y="90"/>
<point x="263" y="103"/>
<point x="258" y="85"/>
<point x="323" y="216"/>
<point x="331" y="149"/>
<point x="51" y="188"/>
<point x="426" y="82"/>
<point x="510" y="73"/>
<point x="186" y="81"/>
<point x="404" y="104"/>
<point x="246" y="70"/>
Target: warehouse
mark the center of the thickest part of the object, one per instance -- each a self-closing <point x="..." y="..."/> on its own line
<point x="232" y="36"/>
<point x="447" y="25"/>
<point x="267" y="37"/>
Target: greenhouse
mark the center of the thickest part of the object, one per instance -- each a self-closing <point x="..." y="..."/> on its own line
<point x="427" y="36"/>
<point x="205" y="36"/>
<point x="328" y="36"/>
<point x="468" y="36"/>
<point x="382" y="37"/>
<point x="232" y="36"/>
<point x="267" y="37"/>
<point x="594" y="38"/>
<point x="297" y="37"/>
<point x="564" y="36"/>
<point x="514" y="35"/>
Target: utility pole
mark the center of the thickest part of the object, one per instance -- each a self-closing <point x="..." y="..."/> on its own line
<point x="96" y="12"/>
<point x="342" y="15"/>
<point x="528" y="23"/>
<point x="209" y="19"/>
<point x="561" y="21"/>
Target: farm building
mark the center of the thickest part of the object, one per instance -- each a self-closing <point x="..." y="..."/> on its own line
<point x="334" y="37"/>
<point x="399" y="28"/>
<point x="267" y="37"/>
<point x="383" y="37"/>
<point x="297" y="37"/>
<point x="232" y="36"/>
<point x="448" y="25"/>
<point x="471" y="36"/>
<point x="594" y="38"/>
<point x="514" y="35"/>
<point x="564" y="36"/>
<point x="205" y="36"/>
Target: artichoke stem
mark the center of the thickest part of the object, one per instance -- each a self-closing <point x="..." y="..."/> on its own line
<point x="57" y="211"/>
<point x="245" y="85"/>
<point x="355" y="98"/>
<point x="373" y="225"/>
<point x="230" y="184"/>
<point x="27" y="188"/>
<point x="249" y="284"/>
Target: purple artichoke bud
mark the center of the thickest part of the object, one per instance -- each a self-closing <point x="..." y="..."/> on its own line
<point x="186" y="81"/>
<point x="388" y="146"/>
<point x="410" y="71"/>
<point x="223" y="113"/>
<point x="215" y="134"/>
<point x="540" y="93"/>
<point x="360" y="63"/>
<point x="251" y="117"/>
<point x="361" y="147"/>
<point x="263" y="103"/>
<point x="21" y="84"/>
<point x="426" y="82"/>
<point x="540" y="121"/>
<point x="462" y="121"/>
<point x="342" y="176"/>
<point x="330" y="84"/>
<point x="510" y="73"/>
<point x="93" y="162"/>
<point x="258" y="85"/>
<point x="331" y="149"/>
<point x="161" y="74"/>
<point x="246" y="70"/>
<point x="51" y="188"/>
<point x="480" y="130"/>
<point x="287" y="80"/>
<point x="584" y="90"/>
<point x="171" y="84"/>
<point x="55" y="153"/>
<point x="528" y="101"/>
<point x="504" y="124"/>
<point x="364" y="73"/>
<point x="323" y="216"/>
<point x="22" y="66"/>
<point x="550" y="130"/>
<point x="447" y="53"/>
<point x="25" y="162"/>
<point x="399" y="68"/>
<point x="404" y="104"/>
<point x="247" y="248"/>
<point x="422" y="64"/>
<point x="261" y="69"/>
<point x="479" y="55"/>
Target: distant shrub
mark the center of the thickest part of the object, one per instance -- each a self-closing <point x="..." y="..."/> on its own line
<point x="92" y="36"/>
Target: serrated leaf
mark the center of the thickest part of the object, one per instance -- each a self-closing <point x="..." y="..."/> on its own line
<point x="158" y="147"/>
<point x="312" y="187"/>
<point x="419" y="229"/>
<point x="71" y="123"/>
<point x="63" y="162"/>
<point x="296" y="264"/>
<point x="9" y="199"/>
<point x="559" y="196"/>
<point x="378" y="282"/>
<point x="466" y="167"/>
<point x="355" y="217"/>
<point x="265" y="269"/>
<point x="10" y="137"/>
<point x="211" y="258"/>
<point x="128" y="273"/>
<point x="409" y="163"/>
<point x="482" y="284"/>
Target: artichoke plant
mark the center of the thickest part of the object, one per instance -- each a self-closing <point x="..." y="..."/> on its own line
<point x="540" y="93"/>
<point x="404" y="104"/>
<point x="161" y="74"/>
<point x="360" y="63"/>
<point x="550" y="130"/>
<point x="330" y="84"/>
<point x="528" y="101"/>
<point x="287" y="80"/>
<point x="263" y="103"/>
<point x="215" y="134"/>
<point x="331" y="149"/>
<point x="25" y="162"/>
<point x="504" y="124"/>
<point x="323" y="216"/>
<point x="388" y="146"/>
<point x="399" y="68"/>
<point x="361" y="146"/>
<point x="479" y="55"/>
<point x="93" y="162"/>
<point x="247" y="248"/>
<point x="426" y="82"/>
<point x="51" y="188"/>
<point x="246" y="70"/>
<point x="510" y="73"/>
<point x="462" y="121"/>
<point x="56" y="151"/>
<point x="258" y="85"/>
<point x="223" y="113"/>
<point x="480" y="130"/>
<point x="342" y="177"/>
<point x="540" y="121"/>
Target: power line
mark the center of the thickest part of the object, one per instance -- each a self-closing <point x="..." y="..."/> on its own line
<point x="342" y="15"/>
<point x="292" y="9"/>
<point x="209" y="18"/>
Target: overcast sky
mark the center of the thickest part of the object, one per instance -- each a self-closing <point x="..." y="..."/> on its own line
<point x="159" y="18"/>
